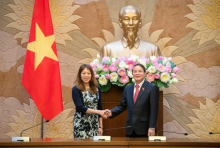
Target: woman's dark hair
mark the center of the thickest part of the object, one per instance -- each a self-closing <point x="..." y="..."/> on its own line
<point x="93" y="84"/>
<point x="142" y="66"/>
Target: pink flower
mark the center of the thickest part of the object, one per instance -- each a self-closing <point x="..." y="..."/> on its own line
<point x="146" y="71"/>
<point x="137" y="62"/>
<point x="160" y="58"/>
<point x="126" y="59"/>
<point x="155" y="62"/>
<point x="173" y="75"/>
<point x="124" y="79"/>
<point x="96" y="76"/>
<point x="94" y="69"/>
<point x="105" y="59"/>
<point x="108" y="76"/>
<point x="113" y="68"/>
<point x="150" y="77"/>
<point x="121" y="72"/>
<point x="130" y="67"/>
<point x="116" y="62"/>
<point x="143" y="58"/>
<point x="98" y="64"/>
<point x="168" y="68"/>
<point x="175" y="69"/>
<point x="121" y="58"/>
<point x="161" y="68"/>
<point x="130" y="63"/>
<point x="92" y="64"/>
<point x="105" y="68"/>
<point x="147" y="60"/>
<point x="156" y="76"/>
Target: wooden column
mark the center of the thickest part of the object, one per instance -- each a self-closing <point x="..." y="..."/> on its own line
<point x="111" y="99"/>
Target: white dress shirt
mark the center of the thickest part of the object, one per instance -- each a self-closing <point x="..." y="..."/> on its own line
<point x="140" y="85"/>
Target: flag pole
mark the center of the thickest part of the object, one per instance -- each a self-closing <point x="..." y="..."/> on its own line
<point x="42" y="127"/>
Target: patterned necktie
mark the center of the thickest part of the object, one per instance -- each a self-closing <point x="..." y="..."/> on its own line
<point x="136" y="92"/>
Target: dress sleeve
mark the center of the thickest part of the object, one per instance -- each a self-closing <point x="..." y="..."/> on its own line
<point x="78" y="100"/>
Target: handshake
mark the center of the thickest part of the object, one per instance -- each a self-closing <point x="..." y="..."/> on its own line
<point x="105" y="113"/>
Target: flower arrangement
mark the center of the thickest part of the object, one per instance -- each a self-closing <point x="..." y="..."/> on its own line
<point x="118" y="71"/>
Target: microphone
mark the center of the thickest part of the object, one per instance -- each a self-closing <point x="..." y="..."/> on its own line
<point x="171" y="132"/>
<point x="213" y="133"/>
<point x="32" y="127"/>
<point x="115" y="128"/>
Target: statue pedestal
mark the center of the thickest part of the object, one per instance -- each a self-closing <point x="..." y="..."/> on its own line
<point x="111" y="99"/>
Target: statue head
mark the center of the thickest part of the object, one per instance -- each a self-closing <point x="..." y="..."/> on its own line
<point x="130" y="22"/>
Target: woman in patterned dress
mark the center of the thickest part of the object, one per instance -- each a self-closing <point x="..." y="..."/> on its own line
<point x="86" y="95"/>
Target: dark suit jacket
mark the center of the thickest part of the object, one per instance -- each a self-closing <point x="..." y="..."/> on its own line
<point x="143" y="114"/>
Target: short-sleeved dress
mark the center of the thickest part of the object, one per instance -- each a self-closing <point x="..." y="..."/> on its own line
<point x="87" y="125"/>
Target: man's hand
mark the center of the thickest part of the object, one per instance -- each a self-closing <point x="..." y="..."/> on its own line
<point x="151" y="132"/>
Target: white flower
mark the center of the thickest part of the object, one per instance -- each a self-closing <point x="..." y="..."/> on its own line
<point x="153" y="57"/>
<point x="114" y="77"/>
<point x="98" y="56"/>
<point x="151" y="69"/>
<point x="95" y="61"/>
<point x="165" y="61"/>
<point x="103" y="80"/>
<point x="133" y="80"/>
<point x="126" y="66"/>
<point x="129" y="73"/>
<point x="168" y="63"/>
<point x="133" y="57"/>
<point x="165" y="77"/>
<point x="99" y="68"/>
<point x="174" y="80"/>
<point x="143" y="63"/>
<point x="122" y="64"/>
<point x="113" y="60"/>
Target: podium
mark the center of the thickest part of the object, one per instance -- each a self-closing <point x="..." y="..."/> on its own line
<point x="111" y="99"/>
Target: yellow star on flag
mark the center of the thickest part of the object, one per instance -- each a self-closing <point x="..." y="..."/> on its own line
<point x="42" y="47"/>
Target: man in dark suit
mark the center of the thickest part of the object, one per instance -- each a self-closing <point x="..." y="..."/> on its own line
<point x="141" y="101"/>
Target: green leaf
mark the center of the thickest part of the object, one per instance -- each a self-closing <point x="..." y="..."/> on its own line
<point x="166" y="85"/>
<point x="106" y="62"/>
<point x="102" y="73"/>
<point x="162" y="84"/>
<point x="114" y="83"/>
<point x="172" y="64"/>
<point x="105" y="88"/>
<point x="160" y="62"/>
<point x="118" y="83"/>
<point x="98" y="72"/>
<point x="129" y="83"/>
<point x="148" y="65"/>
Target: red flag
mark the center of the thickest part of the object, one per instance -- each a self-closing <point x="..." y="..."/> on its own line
<point x="41" y="75"/>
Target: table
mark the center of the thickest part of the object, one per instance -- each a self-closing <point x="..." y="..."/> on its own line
<point x="116" y="142"/>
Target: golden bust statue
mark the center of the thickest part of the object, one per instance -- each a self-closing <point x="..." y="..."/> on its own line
<point x="130" y="43"/>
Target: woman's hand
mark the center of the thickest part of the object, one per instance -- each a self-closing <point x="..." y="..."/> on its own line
<point x="103" y="113"/>
<point x="100" y="131"/>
